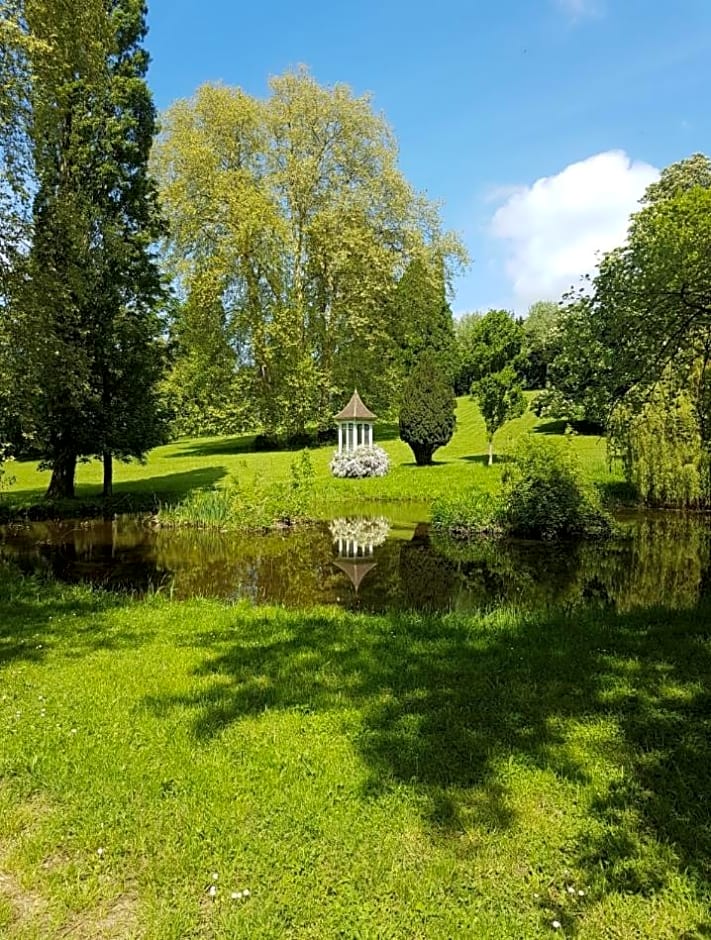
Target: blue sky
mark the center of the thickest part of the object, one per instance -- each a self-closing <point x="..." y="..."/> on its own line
<point x="536" y="123"/>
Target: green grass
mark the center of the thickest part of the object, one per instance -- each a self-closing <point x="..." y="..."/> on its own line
<point x="171" y="472"/>
<point x="390" y="777"/>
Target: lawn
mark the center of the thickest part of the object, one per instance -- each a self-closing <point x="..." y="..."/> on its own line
<point x="174" y="470"/>
<point x="358" y="776"/>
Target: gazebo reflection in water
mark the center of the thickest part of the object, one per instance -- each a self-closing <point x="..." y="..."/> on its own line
<point x="355" y="541"/>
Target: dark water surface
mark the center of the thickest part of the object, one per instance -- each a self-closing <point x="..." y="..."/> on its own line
<point x="374" y="564"/>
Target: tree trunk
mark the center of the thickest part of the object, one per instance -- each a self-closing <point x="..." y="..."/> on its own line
<point x="491" y="451"/>
<point x="61" y="486"/>
<point x="108" y="474"/>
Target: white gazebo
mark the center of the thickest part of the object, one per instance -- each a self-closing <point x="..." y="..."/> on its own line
<point x="355" y="425"/>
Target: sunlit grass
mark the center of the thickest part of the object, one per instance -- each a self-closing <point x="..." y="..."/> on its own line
<point x="172" y="471"/>
<point x="359" y="776"/>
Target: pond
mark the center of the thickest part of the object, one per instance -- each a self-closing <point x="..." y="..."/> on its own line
<point x="374" y="563"/>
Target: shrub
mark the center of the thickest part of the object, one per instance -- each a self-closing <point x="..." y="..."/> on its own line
<point x="427" y="418"/>
<point x="361" y="462"/>
<point x="544" y="494"/>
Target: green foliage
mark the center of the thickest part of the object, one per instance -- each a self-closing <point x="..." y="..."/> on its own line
<point x="488" y="343"/>
<point x="427" y="419"/>
<point x="420" y="317"/>
<point x="293" y="216"/>
<point x="661" y="448"/>
<point x="542" y="341"/>
<point x="544" y="494"/>
<point x="579" y="376"/>
<point x="500" y="399"/>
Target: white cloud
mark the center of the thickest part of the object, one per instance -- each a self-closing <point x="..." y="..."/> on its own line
<point x="556" y="229"/>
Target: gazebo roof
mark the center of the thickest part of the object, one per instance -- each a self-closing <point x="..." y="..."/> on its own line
<point x="355" y="410"/>
<point x="355" y="570"/>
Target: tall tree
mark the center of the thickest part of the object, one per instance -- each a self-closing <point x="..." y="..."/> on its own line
<point x="84" y="332"/>
<point x="427" y="418"/>
<point x="420" y="316"/>
<point x="295" y="209"/>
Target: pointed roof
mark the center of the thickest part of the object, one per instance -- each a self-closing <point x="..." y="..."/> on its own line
<point x="355" y="570"/>
<point x="355" y="410"/>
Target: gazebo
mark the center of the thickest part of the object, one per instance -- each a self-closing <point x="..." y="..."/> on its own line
<point x="355" y="425"/>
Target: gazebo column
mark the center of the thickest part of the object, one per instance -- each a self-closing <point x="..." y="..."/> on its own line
<point x="340" y="438"/>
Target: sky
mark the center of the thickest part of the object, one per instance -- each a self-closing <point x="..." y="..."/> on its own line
<point x="536" y="124"/>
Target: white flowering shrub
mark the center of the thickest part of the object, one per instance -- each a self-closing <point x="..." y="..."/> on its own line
<point x="361" y="462"/>
<point x="363" y="531"/>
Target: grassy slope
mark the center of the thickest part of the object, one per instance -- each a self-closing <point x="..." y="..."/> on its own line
<point x="361" y="776"/>
<point x="172" y="471"/>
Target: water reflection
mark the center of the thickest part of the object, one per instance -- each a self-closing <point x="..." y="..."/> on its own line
<point x="360" y="563"/>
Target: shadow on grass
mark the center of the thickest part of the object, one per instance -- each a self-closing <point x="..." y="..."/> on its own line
<point x="145" y="495"/>
<point x="225" y="446"/>
<point x="37" y="617"/>
<point x="483" y="459"/>
<point x="447" y="702"/>
<point x="559" y="427"/>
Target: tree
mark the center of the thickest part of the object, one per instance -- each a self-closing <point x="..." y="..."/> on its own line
<point x="500" y="399"/>
<point x="495" y="341"/>
<point x="421" y="317"/>
<point x="465" y="331"/>
<point x="295" y="210"/>
<point x="647" y="308"/>
<point x="85" y="339"/>
<point x="427" y="418"/>
<point x="661" y="447"/>
<point x="542" y="340"/>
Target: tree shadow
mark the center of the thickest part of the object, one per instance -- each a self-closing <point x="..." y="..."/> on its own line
<point x="221" y="447"/>
<point x="561" y="425"/>
<point x="444" y="705"/>
<point x="483" y="459"/>
<point x="38" y="617"/>
<point x="144" y="495"/>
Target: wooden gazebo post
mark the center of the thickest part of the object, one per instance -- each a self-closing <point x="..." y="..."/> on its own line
<point x="355" y="425"/>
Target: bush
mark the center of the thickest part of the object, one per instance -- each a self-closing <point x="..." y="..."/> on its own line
<point x="361" y="462"/>
<point x="545" y="496"/>
<point x="427" y="418"/>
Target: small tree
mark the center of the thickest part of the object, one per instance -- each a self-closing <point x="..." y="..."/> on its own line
<point x="500" y="400"/>
<point x="427" y="418"/>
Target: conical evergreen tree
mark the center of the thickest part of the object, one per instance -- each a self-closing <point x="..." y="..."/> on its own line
<point x="427" y="419"/>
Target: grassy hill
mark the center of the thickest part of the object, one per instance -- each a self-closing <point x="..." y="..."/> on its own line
<point x="172" y="471"/>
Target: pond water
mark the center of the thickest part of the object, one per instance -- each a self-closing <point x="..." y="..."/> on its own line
<point x="374" y="563"/>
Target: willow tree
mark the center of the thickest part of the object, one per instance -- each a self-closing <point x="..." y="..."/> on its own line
<point x="294" y="210"/>
<point x="83" y="332"/>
